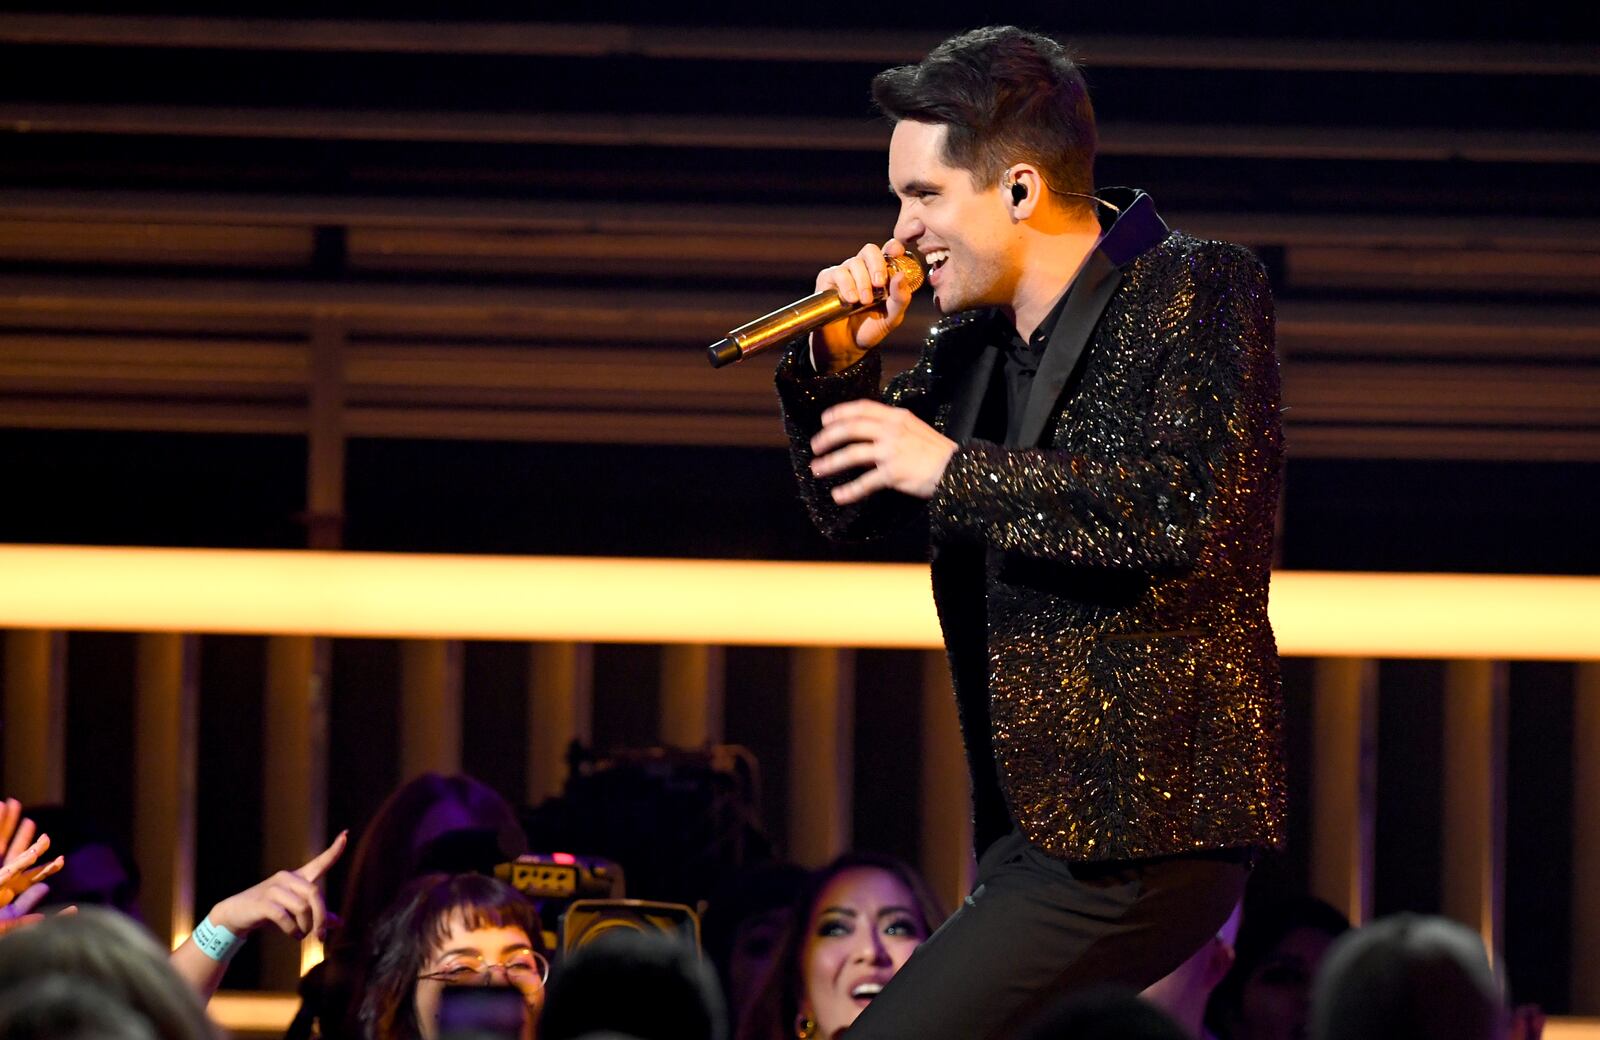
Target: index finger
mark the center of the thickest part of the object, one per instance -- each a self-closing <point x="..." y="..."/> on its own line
<point x="324" y="859"/>
<point x="21" y="839"/>
<point x="28" y="858"/>
<point x="10" y="813"/>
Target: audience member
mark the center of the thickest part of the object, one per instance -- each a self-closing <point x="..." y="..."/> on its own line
<point x="21" y="879"/>
<point x="1267" y="994"/>
<point x="115" y="956"/>
<point x="854" y="925"/>
<point x="640" y="985"/>
<point x="59" y="1007"/>
<point x="433" y="823"/>
<point x="1184" y="992"/>
<point x="1104" y="1014"/>
<point x="288" y="900"/>
<point x="1408" y="977"/>
<point x="447" y="930"/>
<point x="743" y="927"/>
<point x="99" y="870"/>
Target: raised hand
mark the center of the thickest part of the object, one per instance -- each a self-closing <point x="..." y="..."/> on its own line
<point x="21" y="887"/>
<point x="289" y="900"/>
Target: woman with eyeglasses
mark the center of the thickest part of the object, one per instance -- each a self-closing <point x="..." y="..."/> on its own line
<point x="450" y="930"/>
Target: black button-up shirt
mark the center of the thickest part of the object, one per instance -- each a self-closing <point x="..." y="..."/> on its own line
<point x="1021" y="362"/>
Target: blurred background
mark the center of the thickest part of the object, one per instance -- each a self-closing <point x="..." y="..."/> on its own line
<point x="439" y="278"/>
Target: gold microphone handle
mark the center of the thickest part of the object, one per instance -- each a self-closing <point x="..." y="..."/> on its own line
<point x="803" y="316"/>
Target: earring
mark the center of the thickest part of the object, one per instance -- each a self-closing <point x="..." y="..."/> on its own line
<point x="805" y="1027"/>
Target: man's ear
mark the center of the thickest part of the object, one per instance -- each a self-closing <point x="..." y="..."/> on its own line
<point x="1026" y="188"/>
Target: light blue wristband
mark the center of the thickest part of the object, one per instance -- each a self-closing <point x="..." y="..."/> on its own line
<point x="214" y="941"/>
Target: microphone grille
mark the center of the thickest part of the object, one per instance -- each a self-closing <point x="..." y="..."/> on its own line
<point x="906" y="266"/>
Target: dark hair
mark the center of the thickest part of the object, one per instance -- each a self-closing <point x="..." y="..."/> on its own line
<point x="1103" y="1014"/>
<point x="406" y="936"/>
<point x="70" y="830"/>
<point x="771" y="1014"/>
<point x="1262" y="928"/>
<point x="115" y="955"/>
<point x="387" y="856"/>
<point x="1409" y="977"/>
<point x="1005" y="95"/>
<point x="753" y="893"/>
<point x="60" y="1007"/>
<point x="666" y="991"/>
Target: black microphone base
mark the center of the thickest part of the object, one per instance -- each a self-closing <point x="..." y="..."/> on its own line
<point x="723" y="352"/>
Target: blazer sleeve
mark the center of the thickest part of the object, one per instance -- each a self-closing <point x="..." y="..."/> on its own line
<point x="1212" y="405"/>
<point x="804" y="395"/>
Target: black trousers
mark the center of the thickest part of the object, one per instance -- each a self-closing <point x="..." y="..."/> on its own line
<point x="1036" y="928"/>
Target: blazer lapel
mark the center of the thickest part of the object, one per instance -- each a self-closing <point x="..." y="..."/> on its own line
<point x="1089" y="296"/>
<point x="967" y="402"/>
<point x="1137" y="228"/>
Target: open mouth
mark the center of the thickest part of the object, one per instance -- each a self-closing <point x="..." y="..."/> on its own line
<point x="936" y="258"/>
<point x="866" y="990"/>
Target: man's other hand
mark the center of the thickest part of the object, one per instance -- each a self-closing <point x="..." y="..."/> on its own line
<point x="897" y="450"/>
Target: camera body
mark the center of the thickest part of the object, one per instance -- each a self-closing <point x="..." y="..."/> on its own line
<point x="580" y="898"/>
<point x="588" y="920"/>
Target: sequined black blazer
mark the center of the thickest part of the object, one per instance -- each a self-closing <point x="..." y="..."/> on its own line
<point x="1104" y="595"/>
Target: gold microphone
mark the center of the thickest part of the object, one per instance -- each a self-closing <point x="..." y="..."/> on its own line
<point x="801" y="317"/>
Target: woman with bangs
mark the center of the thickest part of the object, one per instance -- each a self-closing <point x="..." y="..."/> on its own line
<point x="450" y="930"/>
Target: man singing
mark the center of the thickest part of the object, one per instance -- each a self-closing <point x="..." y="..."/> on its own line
<point x="1093" y="433"/>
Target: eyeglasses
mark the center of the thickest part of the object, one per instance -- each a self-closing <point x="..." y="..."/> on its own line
<point x="525" y="970"/>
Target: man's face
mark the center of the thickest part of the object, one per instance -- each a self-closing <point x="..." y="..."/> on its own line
<point x="967" y="238"/>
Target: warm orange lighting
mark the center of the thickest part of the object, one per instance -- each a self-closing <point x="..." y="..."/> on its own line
<point x="240" y="1012"/>
<point x="718" y="601"/>
<point x="311" y="953"/>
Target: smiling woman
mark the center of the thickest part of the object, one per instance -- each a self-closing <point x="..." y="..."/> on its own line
<point x="447" y="931"/>
<point x="857" y="922"/>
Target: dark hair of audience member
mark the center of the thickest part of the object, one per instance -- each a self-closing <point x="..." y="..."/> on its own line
<point x="647" y="986"/>
<point x="99" y="870"/>
<point x="60" y="1007"/>
<point x="772" y="1013"/>
<point x="407" y="936"/>
<point x="744" y="925"/>
<point x="1407" y="977"/>
<point x="1102" y="1014"/>
<point x="391" y="850"/>
<point x="395" y="847"/>
<point x="1263" y="929"/>
<point x="117" y="957"/>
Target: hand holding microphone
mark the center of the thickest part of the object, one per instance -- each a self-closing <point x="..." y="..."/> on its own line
<point x="856" y="305"/>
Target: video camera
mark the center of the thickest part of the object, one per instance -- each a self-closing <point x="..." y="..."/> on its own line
<point x="580" y="899"/>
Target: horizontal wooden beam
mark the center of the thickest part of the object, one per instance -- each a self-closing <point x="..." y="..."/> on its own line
<point x="554" y="426"/>
<point x="658" y="315"/>
<point x="868" y="45"/>
<point x="589" y="599"/>
<point x="769" y="224"/>
<point x="795" y="134"/>
<point x="382" y="379"/>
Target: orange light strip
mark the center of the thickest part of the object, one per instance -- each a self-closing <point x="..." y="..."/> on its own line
<point x="244" y="1012"/>
<point x="718" y="601"/>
